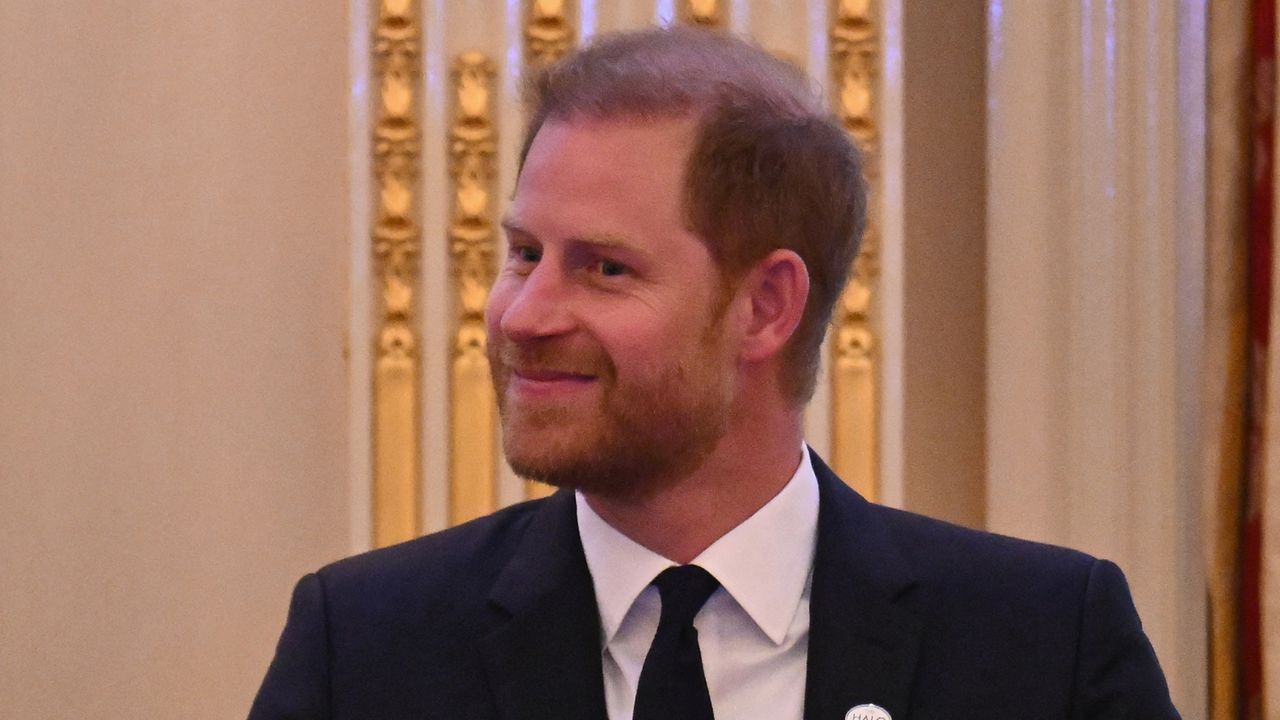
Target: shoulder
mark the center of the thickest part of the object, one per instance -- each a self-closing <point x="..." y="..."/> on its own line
<point x="984" y="588"/>
<point x="440" y="568"/>
<point x="941" y="560"/>
<point x="948" y="555"/>
<point x="1030" y="619"/>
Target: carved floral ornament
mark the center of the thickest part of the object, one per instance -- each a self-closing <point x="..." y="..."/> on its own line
<point x="472" y="237"/>
<point x="855" y="379"/>
<point x="548" y="31"/>
<point x="396" y="240"/>
<point x="706" y="13"/>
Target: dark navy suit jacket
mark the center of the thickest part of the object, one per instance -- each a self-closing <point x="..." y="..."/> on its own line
<point x="497" y="619"/>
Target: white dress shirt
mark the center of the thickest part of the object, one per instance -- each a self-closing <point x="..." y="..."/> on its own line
<point x="753" y="632"/>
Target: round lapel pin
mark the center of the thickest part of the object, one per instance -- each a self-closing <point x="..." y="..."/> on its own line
<point x="867" y="712"/>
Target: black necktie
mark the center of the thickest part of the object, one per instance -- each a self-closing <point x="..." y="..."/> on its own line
<point x="672" y="685"/>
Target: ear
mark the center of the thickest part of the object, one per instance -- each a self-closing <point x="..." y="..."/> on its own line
<point x="777" y="290"/>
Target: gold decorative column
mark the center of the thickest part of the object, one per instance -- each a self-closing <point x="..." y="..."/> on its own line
<point x="704" y="13"/>
<point x="548" y="32"/>
<point x="855" y="62"/>
<point x="397" y="240"/>
<point x="548" y="36"/>
<point x="472" y="405"/>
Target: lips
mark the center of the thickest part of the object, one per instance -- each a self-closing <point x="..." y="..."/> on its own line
<point x="544" y="383"/>
<point x="544" y="375"/>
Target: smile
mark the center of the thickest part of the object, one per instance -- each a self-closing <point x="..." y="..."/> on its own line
<point x="540" y="381"/>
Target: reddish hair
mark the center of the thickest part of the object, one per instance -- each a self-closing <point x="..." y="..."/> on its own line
<point x="770" y="167"/>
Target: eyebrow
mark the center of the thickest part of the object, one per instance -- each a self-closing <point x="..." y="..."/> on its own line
<point x="512" y="226"/>
<point x="604" y="240"/>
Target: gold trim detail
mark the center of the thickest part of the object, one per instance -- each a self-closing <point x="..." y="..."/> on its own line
<point x="472" y="405"/>
<point x="703" y="13"/>
<point x="855" y="61"/>
<point x="548" y="33"/>
<point x="397" y="239"/>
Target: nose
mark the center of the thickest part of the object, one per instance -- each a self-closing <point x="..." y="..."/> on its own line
<point x="535" y="306"/>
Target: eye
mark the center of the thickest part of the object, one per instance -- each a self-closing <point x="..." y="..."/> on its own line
<point x="521" y="255"/>
<point x="611" y="268"/>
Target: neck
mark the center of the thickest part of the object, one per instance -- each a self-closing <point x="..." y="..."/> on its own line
<point x="748" y="467"/>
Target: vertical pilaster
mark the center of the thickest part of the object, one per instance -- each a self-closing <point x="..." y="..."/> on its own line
<point x="473" y="409"/>
<point x="397" y="240"/>
<point x="855" y="72"/>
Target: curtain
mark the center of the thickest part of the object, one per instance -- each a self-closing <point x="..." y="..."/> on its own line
<point x="1242" y="445"/>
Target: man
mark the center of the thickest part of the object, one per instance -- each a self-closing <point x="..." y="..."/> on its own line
<point x="684" y="220"/>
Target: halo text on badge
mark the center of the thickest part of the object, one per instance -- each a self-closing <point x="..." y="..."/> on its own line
<point x="867" y="712"/>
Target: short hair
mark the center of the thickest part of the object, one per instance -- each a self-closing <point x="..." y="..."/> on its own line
<point x="770" y="167"/>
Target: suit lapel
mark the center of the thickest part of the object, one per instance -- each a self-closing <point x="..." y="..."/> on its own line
<point x="863" y="633"/>
<point x="544" y="661"/>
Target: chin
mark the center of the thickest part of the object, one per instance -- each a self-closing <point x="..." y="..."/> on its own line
<point x="548" y="456"/>
<point x="576" y="468"/>
<point x="620" y="474"/>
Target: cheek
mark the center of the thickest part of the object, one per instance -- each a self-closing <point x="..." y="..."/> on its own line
<point x="644" y="348"/>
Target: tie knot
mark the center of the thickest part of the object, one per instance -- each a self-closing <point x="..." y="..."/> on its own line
<point x="684" y="591"/>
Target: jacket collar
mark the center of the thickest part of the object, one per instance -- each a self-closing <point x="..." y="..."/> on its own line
<point x="864" y="634"/>
<point x="544" y="662"/>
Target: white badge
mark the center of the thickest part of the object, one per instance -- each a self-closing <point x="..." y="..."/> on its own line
<point x="867" y="712"/>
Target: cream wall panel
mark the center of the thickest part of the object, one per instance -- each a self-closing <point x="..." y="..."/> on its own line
<point x="784" y="29"/>
<point x="892" y="260"/>
<point x="173" y="252"/>
<point x="361" y="306"/>
<point x="609" y="15"/>
<point x="1095" y="150"/>
<point x="437" y="300"/>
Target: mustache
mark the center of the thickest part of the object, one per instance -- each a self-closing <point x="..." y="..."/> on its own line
<point x="581" y="361"/>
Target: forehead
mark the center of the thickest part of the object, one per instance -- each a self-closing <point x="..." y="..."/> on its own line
<point x="617" y="176"/>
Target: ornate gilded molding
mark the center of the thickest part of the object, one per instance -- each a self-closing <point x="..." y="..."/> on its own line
<point x="704" y="13"/>
<point x="472" y="406"/>
<point x="548" y="31"/>
<point x="855" y="63"/>
<point x="397" y="239"/>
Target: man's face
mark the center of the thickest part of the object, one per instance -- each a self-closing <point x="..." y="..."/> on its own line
<point x="612" y="371"/>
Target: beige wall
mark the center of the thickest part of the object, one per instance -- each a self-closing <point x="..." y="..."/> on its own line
<point x="173" y="212"/>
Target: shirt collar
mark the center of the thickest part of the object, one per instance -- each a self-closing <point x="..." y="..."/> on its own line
<point x="763" y="563"/>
